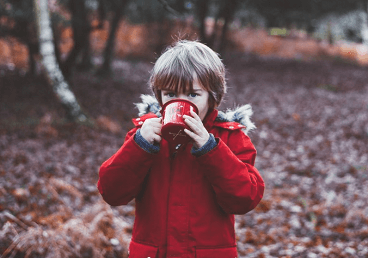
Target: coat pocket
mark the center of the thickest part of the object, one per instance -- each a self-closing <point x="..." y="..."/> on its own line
<point x="226" y="252"/>
<point x="137" y="250"/>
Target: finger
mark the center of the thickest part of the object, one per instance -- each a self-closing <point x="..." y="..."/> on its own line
<point x="155" y="125"/>
<point x="156" y="130"/>
<point x="157" y="138"/>
<point x="191" y="119"/>
<point x="195" y="116"/>
<point x="155" y="119"/>
<point x="196" y="126"/>
<point x="192" y="125"/>
<point x="190" y="133"/>
<point x="151" y="122"/>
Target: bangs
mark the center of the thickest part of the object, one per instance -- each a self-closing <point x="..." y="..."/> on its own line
<point x="174" y="76"/>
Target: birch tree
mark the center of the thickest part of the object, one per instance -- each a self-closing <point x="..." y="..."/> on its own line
<point x="364" y="29"/>
<point x="52" y="69"/>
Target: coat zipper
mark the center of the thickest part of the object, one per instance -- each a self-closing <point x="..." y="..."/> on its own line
<point x="173" y="155"/>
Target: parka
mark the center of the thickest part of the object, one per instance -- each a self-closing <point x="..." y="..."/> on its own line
<point x="185" y="204"/>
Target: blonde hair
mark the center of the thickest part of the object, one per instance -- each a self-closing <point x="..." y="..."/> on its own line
<point x="184" y="62"/>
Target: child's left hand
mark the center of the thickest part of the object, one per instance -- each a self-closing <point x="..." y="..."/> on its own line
<point x="199" y="133"/>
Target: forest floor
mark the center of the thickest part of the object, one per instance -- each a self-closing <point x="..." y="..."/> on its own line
<point x="311" y="138"/>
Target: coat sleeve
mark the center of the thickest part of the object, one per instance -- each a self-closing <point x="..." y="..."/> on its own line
<point x="122" y="175"/>
<point x="230" y="169"/>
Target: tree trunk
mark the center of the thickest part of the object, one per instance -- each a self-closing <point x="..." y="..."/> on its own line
<point x="53" y="73"/>
<point x="101" y="14"/>
<point x="33" y="48"/>
<point x="32" y="51"/>
<point x="81" y="31"/>
<point x="229" y="11"/>
<point x="109" y="47"/>
<point x="86" y="63"/>
<point x="364" y="29"/>
<point x="202" y="8"/>
<point x="56" y="39"/>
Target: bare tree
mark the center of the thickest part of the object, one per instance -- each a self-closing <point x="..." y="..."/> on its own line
<point x="81" y="31"/>
<point x="226" y="11"/>
<point x="201" y="12"/>
<point x="119" y="8"/>
<point x="53" y="73"/>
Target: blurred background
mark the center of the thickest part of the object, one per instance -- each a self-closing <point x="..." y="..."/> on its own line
<point x="71" y="71"/>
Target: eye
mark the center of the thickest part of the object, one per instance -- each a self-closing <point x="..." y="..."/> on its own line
<point x="170" y="94"/>
<point x="193" y="95"/>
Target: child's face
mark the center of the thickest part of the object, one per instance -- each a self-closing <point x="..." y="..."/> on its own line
<point x="198" y="96"/>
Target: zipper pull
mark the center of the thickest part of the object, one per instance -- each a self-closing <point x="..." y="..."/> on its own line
<point x="173" y="155"/>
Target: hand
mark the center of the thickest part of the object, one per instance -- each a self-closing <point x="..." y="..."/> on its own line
<point x="151" y="130"/>
<point x="199" y="134"/>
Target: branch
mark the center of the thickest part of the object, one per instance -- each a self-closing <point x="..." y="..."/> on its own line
<point x="168" y="8"/>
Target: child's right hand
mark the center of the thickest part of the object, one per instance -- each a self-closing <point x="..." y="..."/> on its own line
<point x="151" y="130"/>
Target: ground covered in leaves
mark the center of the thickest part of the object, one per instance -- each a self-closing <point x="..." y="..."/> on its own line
<point x="311" y="138"/>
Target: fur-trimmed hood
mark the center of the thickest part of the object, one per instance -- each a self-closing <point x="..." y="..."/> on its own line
<point x="239" y="115"/>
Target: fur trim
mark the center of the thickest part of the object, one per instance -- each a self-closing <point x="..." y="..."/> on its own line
<point x="240" y="115"/>
<point x="149" y="105"/>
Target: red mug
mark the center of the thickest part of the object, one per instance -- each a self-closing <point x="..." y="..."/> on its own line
<point x="173" y="121"/>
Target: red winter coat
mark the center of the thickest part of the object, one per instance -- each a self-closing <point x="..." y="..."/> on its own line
<point x="185" y="205"/>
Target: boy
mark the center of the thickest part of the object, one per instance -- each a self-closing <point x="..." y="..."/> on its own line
<point x="186" y="197"/>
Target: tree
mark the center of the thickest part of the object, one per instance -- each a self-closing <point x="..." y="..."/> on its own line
<point x="364" y="31"/>
<point x="53" y="73"/>
<point x="81" y="31"/>
<point x="119" y="7"/>
<point x="20" y="24"/>
<point x="225" y="11"/>
<point x="147" y="12"/>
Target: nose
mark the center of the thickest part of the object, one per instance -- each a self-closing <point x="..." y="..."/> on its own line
<point x="183" y="96"/>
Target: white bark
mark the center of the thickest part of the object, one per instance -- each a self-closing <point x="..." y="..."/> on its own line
<point x="364" y="29"/>
<point x="53" y="72"/>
